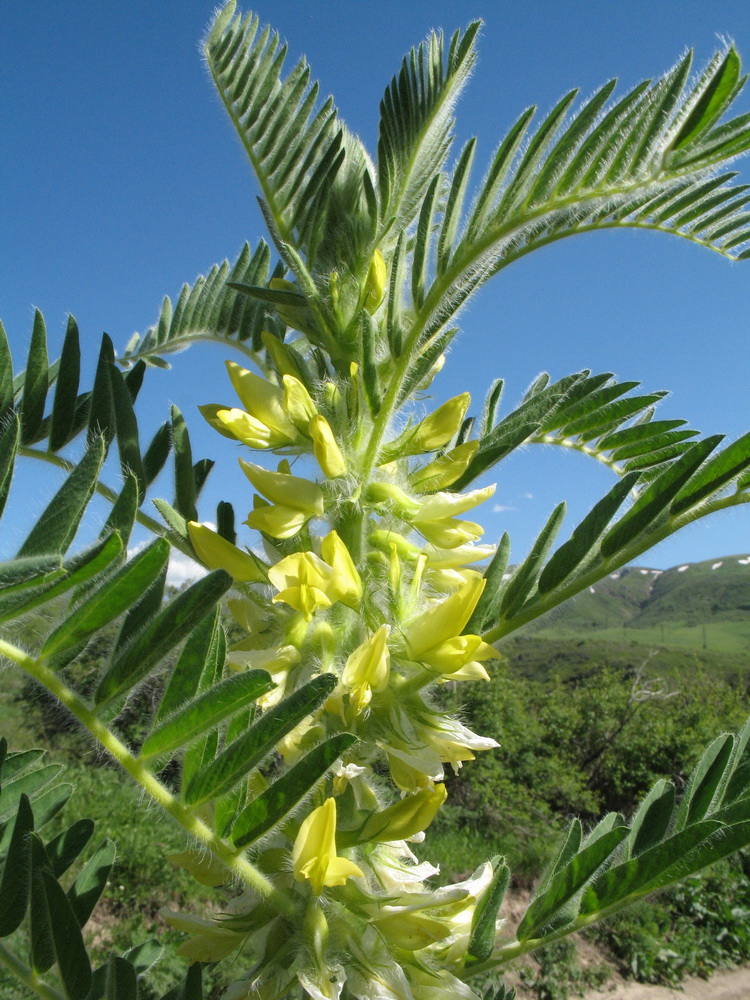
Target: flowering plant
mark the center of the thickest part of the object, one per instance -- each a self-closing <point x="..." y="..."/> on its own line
<point x="312" y="751"/>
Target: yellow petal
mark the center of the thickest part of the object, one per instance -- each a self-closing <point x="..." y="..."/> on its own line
<point x="445" y="620"/>
<point x="446" y="469"/>
<point x="286" y="490"/>
<point x="298" y="403"/>
<point x="262" y="400"/>
<point x="277" y="521"/>
<point x="347" y="582"/>
<point x="218" y="553"/>
<point x="239" y="426"/>
<point x="449" y="532"/>
<point x="325" y="447"/>
<point x="440" y="426"/>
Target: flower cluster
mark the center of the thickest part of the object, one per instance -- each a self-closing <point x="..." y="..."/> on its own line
<point x="366" y="572"/>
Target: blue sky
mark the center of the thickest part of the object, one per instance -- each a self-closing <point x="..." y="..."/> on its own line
<point x="121" y="178"/>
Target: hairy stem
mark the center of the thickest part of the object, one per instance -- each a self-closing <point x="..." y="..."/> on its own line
<point x="27" y="976"/>
<point x="236" y="863"/>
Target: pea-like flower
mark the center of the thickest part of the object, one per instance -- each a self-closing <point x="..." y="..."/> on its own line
<point x="263" y="422"/>
<point x="293" y="501"/>
<point x="219" y="553"/>
<point x="368" y="669"/>
<point x="347" y="583"/>
<point x="325" y="447"/>
<point x="314" y="853"/>
<point x="304" y="582"/>
<point x="435" y="639"/>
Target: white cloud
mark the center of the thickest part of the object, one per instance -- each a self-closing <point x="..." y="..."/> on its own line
<point x="182" y="569"/>
<point x="500" y="508"/>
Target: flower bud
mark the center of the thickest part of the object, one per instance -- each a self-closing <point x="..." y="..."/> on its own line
<point x="314" y="853"/>
<point x="218" y="553"/>
<point x="437" y="429"/>
<point x="298" y="403"/>
<point x="368" y="669"/>
<point x="326" y="448"/>
<point x="375" y="283"/>
<point x="404" y="818"/>
<point x="347" y="583"/>
<point x="446" y="469"/>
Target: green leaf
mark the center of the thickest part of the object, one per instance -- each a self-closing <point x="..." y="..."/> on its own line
<point x="157" y="453"/>
<point x="569" y="881"/>
<point x="183" y="468"/>
<point x="70" y="952"/>
<point x="25" y="784"/>
<point x="114" y="597"/>
<point x="122" y="515"/>
<point x="370" y="378"/>
<point x="199" y="654"/>
<point x="63" y="849"/>
<point x="657" y="497"/>
<point x="206" y="712"/>
<point x="191" y="988"/>
<point x="201" y="470"/>
<point x="40" y="919"/>
<point x="422" y="242"/>
<point x="278" y="800"/>
<point x="102" y="410"/>
<point x="66" y="389"/>
<point x="127" y="431"/>
<point x="176" y="522"/>
<point x="6" y="374"/>
<point x="16" y="763"/>
<point x="704" y="781"/>
<point x="484" y="921"/>
<point x="493" y="576"/>
<point x="174" y="623"/>
<point x="652" y="820"/>
<point x="225" y="521"/>
<point x="9" y="439"/>
<point x="50" y="802"/>
<point x="122" y="983"/>
<point x="585" y="536"/>
<point x="83" y="566"/>
<point x="249" y="750"/>
<point x="57" y="526"/>
<point x="20" y="574"/>
<point x="15" y="884"/>
<point x="36" y="382"/>
<point x="651" y="870"/>
<point x="720" y="471"/>
<point x="525" y="576"/>
<point x="84" y="893"/>
<point x="453" y="206"/>
<point x="717" y="94"/>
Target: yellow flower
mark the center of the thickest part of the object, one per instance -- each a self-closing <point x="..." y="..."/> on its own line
<point x="375" y="282"/>
<point x="435" y="639"/>
<point x="298" y="403"/>
<point x="218" y="553"/>
<point x="314" y="853"/>
<point x="325" y="447"/>
<point x="436" y="518"/>
<point x="440" y="426"/>
<point x="347" y="583"/>
<point x="304" y="582"/>
<point x="368" y="669"/>
<point x="294" y="501"/>
<point x="238" y="425"/>
<point x="404" y="818"/>
<point x="263" y="423"/>
<point x="445" y="470"/>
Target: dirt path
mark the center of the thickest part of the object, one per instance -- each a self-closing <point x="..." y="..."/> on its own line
<point x="731" y="985"/>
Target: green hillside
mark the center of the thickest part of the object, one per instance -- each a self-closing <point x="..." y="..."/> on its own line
<point x="665" y="621"/>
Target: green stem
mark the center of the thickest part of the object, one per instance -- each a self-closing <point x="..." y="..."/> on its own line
<point x="236" y="863"/>
<point x="109" y="494"/>
<point x="639" y="545"/>
<point x="27" y="976"/>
